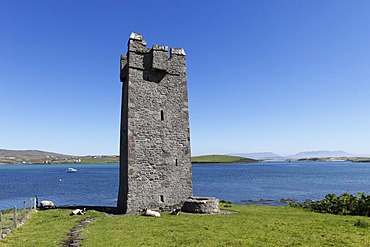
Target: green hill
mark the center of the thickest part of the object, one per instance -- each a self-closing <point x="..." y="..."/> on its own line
<point x="221" y="159"/>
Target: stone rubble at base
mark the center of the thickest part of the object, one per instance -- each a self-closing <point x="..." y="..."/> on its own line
<point x="202" y="205"/>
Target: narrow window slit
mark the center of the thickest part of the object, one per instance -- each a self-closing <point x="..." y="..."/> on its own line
<point x="162" y="115"/>
<point x="161" y="198"/>
<point x="176" y="162"/>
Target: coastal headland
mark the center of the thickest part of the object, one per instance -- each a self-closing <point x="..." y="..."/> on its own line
<point x="225" y="159"/>
<point x="42" y="157"/>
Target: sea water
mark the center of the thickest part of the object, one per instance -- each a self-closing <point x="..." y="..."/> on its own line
<point x="274" y="183"/>
<point x="271" y="183"/>
<point x="95" y="184"/>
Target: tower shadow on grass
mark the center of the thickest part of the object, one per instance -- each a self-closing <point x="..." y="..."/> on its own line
<point x="103" y="209"/>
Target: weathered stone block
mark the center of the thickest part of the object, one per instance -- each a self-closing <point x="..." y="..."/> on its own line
<point x="202" y="205"/>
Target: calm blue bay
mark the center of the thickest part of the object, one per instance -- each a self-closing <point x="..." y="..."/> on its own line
<point x="262" y="183"/>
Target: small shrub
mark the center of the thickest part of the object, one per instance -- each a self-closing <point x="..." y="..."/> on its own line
<point x="345" y="204"/>
<point x="361" y="224"/>
<point x="226" y="204"/>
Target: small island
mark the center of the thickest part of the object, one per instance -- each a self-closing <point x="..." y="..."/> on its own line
<point x="220" y="159"/>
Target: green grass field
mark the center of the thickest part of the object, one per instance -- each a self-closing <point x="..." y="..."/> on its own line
<point x="249" y="226"/>
<point x="98" y="160"/>
<point x="7" y="217"/>
<point x="220" y="159"/>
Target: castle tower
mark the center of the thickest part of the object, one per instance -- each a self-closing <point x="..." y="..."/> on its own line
<point x="155" y="165"/>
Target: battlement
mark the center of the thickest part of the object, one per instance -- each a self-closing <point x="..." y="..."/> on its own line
<point x="177" y="51"/>
<point x="160" y="48"/>
<point x="155" y="58"/>
<point x="137" y="39"/>
<point x="136" y="36"/>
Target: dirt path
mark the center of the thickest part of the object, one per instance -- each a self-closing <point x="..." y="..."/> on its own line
<point x="74" y="238"/>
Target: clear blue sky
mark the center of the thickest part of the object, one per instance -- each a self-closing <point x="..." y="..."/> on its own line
<point x="281" y="76"/>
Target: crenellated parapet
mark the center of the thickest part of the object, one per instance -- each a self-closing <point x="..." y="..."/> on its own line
<point x="156" y="59"/>
<point x="159" y="59"/>
<point x="136" y="43"/>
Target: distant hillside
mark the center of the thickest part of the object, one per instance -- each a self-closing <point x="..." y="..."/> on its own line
<point x="221" y="159"/>
<point x="28" y="153"/>
<point x="42" y="157"/>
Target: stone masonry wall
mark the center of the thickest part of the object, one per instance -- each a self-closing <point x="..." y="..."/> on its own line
<point x="155" y="165"/>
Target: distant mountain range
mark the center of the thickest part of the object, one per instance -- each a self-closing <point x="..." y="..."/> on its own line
<point x="321" y="154"/>
<point x="259" y="156"/>
<point x="301" y="155"/>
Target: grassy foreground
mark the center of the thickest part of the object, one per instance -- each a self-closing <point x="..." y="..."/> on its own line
<point x="250" y="226"/>
<point x="220" y="159"/>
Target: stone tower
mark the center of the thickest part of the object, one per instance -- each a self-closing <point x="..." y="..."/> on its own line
<point x="155" y="165"/>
